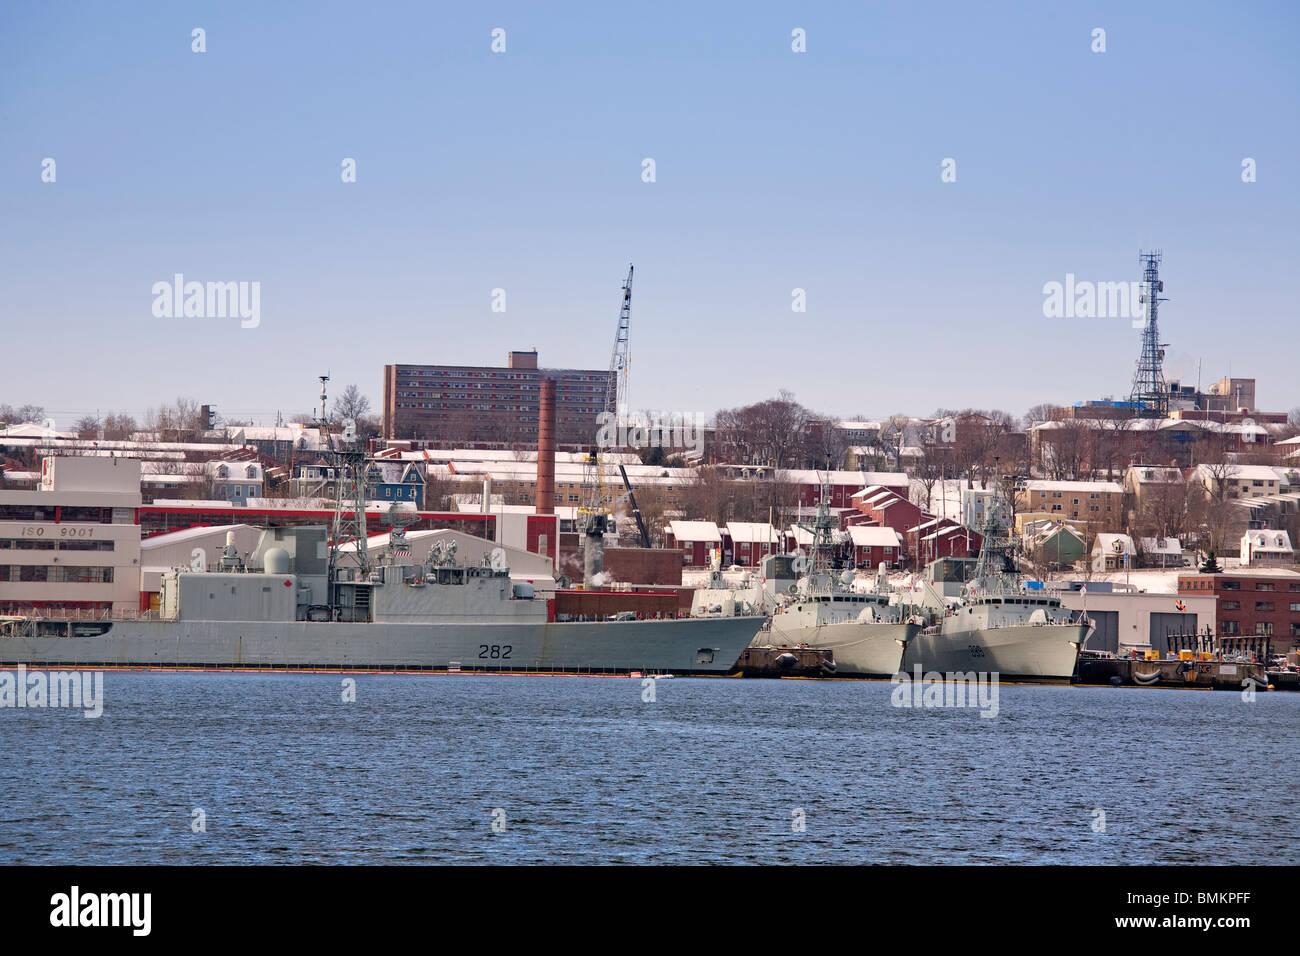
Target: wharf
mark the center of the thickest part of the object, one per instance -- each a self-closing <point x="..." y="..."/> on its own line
<point x="786" y="662"/>
<point x="1209" y="675"/>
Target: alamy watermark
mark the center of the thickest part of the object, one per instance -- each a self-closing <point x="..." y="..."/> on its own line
<point x="953" y="689"/>
<point x="680" y="430"/>
<point x="1085" y="299"/>
<point x="211" y="300"/>
<point x="66" y="689"/>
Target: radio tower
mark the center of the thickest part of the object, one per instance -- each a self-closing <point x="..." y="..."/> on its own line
<point x="1150" y="396"/>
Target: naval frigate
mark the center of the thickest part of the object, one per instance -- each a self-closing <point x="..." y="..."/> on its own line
<point x="288" y="606"/>
<point x="998" y="625"/>
<point x="866" y="633"/>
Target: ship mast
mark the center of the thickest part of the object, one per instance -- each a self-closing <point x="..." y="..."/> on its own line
<point x="997" y="569"/>
<point x="349" y="502"/>
<point x="820" y="571"/>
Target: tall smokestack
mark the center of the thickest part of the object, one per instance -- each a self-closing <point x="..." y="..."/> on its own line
<point x="545" y="504"/>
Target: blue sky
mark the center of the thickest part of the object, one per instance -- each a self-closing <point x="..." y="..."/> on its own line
<point x="522" y="170"/>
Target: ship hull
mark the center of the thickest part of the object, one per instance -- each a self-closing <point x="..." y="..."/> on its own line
<point x="677" y="645"/>
<point x="861" y="650"/>
<point x="1038" y="652"/>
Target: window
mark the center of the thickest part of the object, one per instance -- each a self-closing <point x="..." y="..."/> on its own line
<point x="1295" y="606"/>
<point x="1228" y="628"/>
<point x="1263" y="605"/>
<point x="1264" y="628"/>
<point x="1231" y="605"/>
<point x="1263" y="586"/>
<point x="1231" y="585"/>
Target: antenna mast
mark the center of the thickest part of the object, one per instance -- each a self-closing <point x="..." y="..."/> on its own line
<point x="1150" y="396"/>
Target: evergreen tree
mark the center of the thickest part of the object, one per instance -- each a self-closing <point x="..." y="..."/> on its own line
<point x="1210" y="565"/>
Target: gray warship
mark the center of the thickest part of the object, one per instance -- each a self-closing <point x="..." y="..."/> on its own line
<point x="998" y="624"/>
<point x="291" y="604"/>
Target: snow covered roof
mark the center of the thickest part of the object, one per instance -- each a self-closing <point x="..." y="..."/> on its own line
<point x="873" y="536"/>
<point x="808" y="476"/>
<point x="1109" y="487"/>
<point x="752" y="532"/>
<point x="695" y="531"/>
<point x="1239" y="472"/>
<point x="804" y="538"/>
<point x="156" y="541"/>
<point x="1162" y="546"/>
<point x="1106" y="541"/>
<point x="1268" y="540"/>
<point x="944" y="532"/>
<point x="34" y="430"/>
<point x="1154" y="473"/>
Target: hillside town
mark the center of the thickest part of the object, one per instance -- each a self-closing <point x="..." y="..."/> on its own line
<point x="1202" y="502"/>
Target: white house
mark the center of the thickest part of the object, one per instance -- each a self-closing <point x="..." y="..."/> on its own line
<point x="1112" y="552"/>
<point x="1266" y="548"/>
<point x="1162" y="553"/>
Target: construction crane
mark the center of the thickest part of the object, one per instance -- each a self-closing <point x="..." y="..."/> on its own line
<point x="616" y="397"/>
<point x="636" y="512"/>
<point x="593" y="518"/>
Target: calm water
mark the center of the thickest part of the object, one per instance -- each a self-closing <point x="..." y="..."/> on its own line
<point x="584" y="771"/>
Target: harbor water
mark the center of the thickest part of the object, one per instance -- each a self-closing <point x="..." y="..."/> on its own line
<point x="246" y="768"/>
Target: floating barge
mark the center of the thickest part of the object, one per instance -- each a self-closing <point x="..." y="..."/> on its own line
<point x="1206" y="674"/>
<point x="786" y="662"/>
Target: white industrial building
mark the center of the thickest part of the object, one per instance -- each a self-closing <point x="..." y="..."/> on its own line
<point x="72" y="545"/>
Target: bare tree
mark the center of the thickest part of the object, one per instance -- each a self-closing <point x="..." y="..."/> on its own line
<point x="350" y="403"/>
<point x="1220" y="523"/>
<point x="774" y="432"/>
<point x="1166" y="510"/>
<point x="88" y="426"/>
<point x="707" y="496"/>
<point x="1066" y="449"/>
<point x="118" y="426"/>
<point x="928" y="472"/>
<point x="9" y="415"/>
<point x="1038" y="414"/>
<point x="1217" y="477"/>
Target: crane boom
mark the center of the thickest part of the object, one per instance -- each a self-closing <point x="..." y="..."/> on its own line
<point x="616" y="397"/>
<point x="636" y="512"/>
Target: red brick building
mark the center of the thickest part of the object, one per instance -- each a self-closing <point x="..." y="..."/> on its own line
<point x="695" y="539"/>
<point x="874" y="545"/>
<point x="1258" y="611"/>
<point x="490" y="407"/>
<point x="924" y="537"/>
